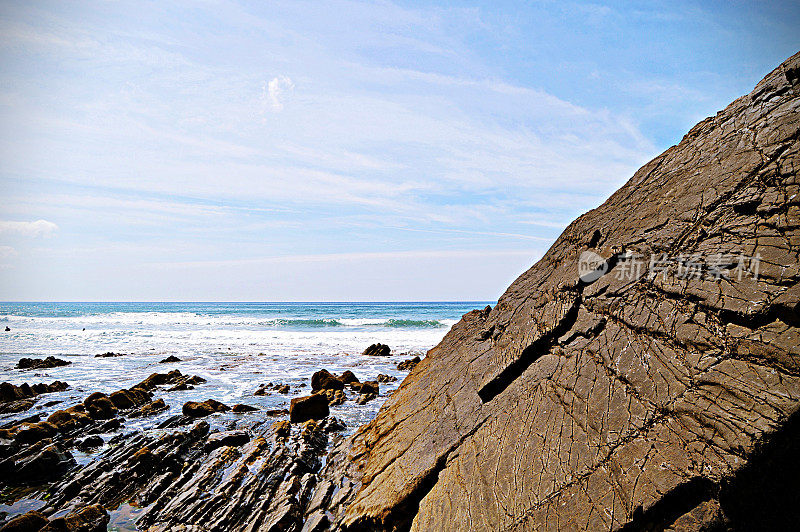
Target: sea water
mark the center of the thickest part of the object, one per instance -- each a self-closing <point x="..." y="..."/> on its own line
<point x="235" y="346"/>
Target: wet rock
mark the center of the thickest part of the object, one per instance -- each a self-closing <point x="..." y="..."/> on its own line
<point x="348" y="377"/>
<point x="99" y="406"/>
<point x="150" y="409"/>
<point x="334" y="397"/>
<point x="283" y="389"/>
<point x="231" y="438"/>
<point x="282" y="429"/>
<point x="310" y="407"/>
<point x="206" y="408"/>
<point x="240" y="408"/>
<point x="10" y="392"/>
<point x="109" y="355"/>
<point x="89" y="443"/>
<point x="264" y="389"/>
<point x="325" y="380"/>
<point x="125" y="399"/>
<point x="36" y="463"/>
<point x="277" y="412"/>
<point x="170" y="359"/>
<point x="408" y="365"/>
<point x="87" y="519"/>
<point x="173" y="378"/>
<point x="29" y="522"/>
<point x="367" y="387"/>
<point x="41" y="363"/>
<point x="364" y="398"/>
<point x="36" y="432"/>
<point x="382" y="377"/>
<point x="377" y="350"/>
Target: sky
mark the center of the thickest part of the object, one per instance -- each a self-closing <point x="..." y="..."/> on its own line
<point x="339" y="151"/>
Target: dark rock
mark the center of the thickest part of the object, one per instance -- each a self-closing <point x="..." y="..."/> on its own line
<point x="99" y="406"/>
<point x="377" y="350"/>
<point x="283" y="389"/>
<point x="408" y="365"/>
<point x="364" y="398"/>
<point x="348" y="377"/>
<point x="230" y="438"/>
<point x="382" y="377"/>
<point x="8" y="329"/>
<point x="207" y="407"/>
<point x="325" y="380"/>
<point x="41" y="363"/>
<point x="29" y="522"/>
<point x="150" y="409"/>
<point x="334" y="397"/>
<point x="282" y="429"/>
<point x="310" y="407"/>
<point x="87" y="519"/>
<point x="277" y="412"/>
<point x="109" y="355"/>
<point x="10" y="392"/>
<point x="240" y="408"/>
<point x="170" y="359"/>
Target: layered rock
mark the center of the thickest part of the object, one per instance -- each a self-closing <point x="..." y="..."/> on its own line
<point x="645" y="392"/>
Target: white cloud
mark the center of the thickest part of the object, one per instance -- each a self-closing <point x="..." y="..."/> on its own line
<point x="276" y="90"/>
<point x="29" y="229"/>
<point x="7" y="252"/>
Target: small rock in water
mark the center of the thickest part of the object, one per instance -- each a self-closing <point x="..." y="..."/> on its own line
<point x="386" y="378"/>
<point x="240" y="408"/>
<point x="348" y="377"/>
<point x="206" y="408"/>
<point x="283" y="389"/>
<point x="41" y="363"/>
<point x="308" y="407"/>
<point x="8" y="329"/>
<point x="109" y="354"/>
<point x="377" y="350"/>
<point x="325" y="380"/>
<point x="170" y="359"/>
<point x="408" y="365"/>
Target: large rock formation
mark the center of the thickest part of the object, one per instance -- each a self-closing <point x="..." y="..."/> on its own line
<point x="646" y="395"/>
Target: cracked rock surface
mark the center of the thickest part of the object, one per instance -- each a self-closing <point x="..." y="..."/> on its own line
<point x="641" y="399"/>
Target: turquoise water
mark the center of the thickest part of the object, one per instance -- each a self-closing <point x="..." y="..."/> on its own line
<point x="235" y="346"/>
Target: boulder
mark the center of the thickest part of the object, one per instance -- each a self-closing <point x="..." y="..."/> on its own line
<point x="325" y="380"/>
<point x="382" y="377"/>
<point x="92" y="518"/>
<point x="377" y="350"/>
<point x="30" y="522"/>
<point x="41" y="363"/>
<point x="206" y="408"/>
<point x="408" y="365"/>
<point x="348" y="377"/>
<point x="309" y="407"/>
<point x="240" y="408"/>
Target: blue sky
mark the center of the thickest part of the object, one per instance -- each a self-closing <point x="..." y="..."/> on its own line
<point x="339" y="150"/>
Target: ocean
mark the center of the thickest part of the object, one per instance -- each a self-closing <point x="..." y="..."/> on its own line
<point x="235" y="346"/>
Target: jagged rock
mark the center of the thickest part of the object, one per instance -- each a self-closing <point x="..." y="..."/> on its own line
<point x="408" y="365"/>
<point x="174" y="377"/>
<point x="282" y="429"/>
<point x="10" y="392"/>
<point x="41" y="363"/>
<point x="87" y="519"/>
<point x="382" y="377"/>
<point x="364" y="398"/>
<point x="348" y="377"/>
<point x="605" y="393"/>
<point x="206" y="408"/>
<point x="232" y="438"/>
<point x="240" y="408"/>
<point x="325" y="380"/>
<point x="170" y="359"/>
<point x="334" y="397"/>
<point x="309" y="407"/>
<point x="377" y="350"/>
<point x="149" y="409"/>
<point x="282" y="389"/>
<point x="366" y="387"/>
<point x="109" y="354"/>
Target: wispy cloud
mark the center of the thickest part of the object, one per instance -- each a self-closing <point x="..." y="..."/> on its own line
<point x="38" y="228"/>
<point x="276" y="91"/>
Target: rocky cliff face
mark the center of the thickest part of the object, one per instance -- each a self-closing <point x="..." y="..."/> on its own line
<point x="659" y="391"/>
